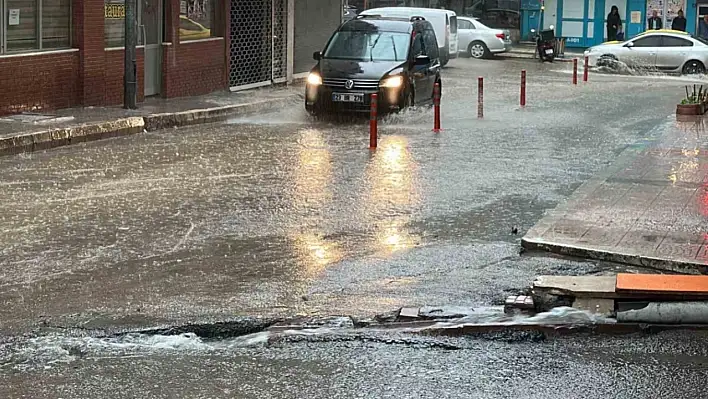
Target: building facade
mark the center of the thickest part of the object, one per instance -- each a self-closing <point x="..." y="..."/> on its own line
<point x="583" y="22"/>
<point x="65" y="53"/>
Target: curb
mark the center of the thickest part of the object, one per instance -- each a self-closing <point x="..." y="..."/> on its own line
<point x="616" y="257"/>
<point x="208" y="115"/>
<point x="52" y="138"/>
<point x="70" y="135"/>
<point x="530" y="56"/>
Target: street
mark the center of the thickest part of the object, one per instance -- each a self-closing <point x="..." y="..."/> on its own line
<point x="278" y="215"/>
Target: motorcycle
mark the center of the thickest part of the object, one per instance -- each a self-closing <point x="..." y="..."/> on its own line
<point x="545" y="44"/>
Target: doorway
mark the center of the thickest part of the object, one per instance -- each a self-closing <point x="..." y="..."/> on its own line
<point x="151" y="29"/>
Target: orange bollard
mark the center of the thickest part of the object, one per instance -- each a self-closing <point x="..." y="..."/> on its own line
<point x="373" y="126"/>
<point x="436" y="105"/>
<point x="585" y="71"/>
<point x="575" y="71"/>
<point x="522" y="99"/>
<point x="480" y="97"/>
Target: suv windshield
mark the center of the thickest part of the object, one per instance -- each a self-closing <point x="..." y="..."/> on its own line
<point x="369" y="46"/>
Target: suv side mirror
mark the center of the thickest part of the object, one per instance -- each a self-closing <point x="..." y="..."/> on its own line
<point x="317" y="55"/>
<point x="422" y="60"/>
<point x="629" y="44"/>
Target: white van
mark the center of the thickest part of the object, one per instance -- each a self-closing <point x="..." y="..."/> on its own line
<point x="444" y="22"/>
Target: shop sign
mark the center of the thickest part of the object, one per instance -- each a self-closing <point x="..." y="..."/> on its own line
<point x="114" y="11"/>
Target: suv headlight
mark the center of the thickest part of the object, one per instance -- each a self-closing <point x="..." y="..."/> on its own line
<point x="314" y="79"/>
<point x="392" y="82"/>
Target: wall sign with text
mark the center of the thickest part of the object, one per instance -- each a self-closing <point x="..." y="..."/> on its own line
<point x="115" y="11"/>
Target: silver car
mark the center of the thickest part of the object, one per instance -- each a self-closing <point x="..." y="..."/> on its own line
<point x="664" y="50"/>
<point x="479" y="40"/>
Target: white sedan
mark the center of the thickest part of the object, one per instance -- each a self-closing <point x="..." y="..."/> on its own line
<point x="664" y="50"/>
<point x="479" y="40"/>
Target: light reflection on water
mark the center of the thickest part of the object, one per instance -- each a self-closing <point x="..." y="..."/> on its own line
<point x="392" y="193"/>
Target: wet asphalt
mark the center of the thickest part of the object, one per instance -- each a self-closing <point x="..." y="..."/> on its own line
<point x="278" y="215"/>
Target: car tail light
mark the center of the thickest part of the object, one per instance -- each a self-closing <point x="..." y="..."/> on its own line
<point x="501" y="36"/>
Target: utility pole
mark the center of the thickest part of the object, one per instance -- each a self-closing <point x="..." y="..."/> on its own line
<point x="130" y="77"/>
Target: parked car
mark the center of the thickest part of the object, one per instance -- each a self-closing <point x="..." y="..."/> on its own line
<point x="348" y="12"/>
<point x="664" y="50"/>
<point x="394" y="57"/>
<point x="479" y="40"/>
<point x="444" y="22"/>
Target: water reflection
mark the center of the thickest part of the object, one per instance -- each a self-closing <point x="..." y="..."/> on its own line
<point x="315" y="253"/>
<point x="392" y="194"/>
<point x="312" y="182"/>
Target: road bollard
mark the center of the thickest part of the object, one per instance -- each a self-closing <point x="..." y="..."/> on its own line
<point x="373" y="127"/>
<point x="575" y="71"/>
<point x="585" y="70"/>
<point x="436" y="104"/>
<point x="480" y="97"/>
<point x="522" y="98"/>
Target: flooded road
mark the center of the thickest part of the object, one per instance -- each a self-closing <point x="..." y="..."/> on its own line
<point x="281" y="215"/>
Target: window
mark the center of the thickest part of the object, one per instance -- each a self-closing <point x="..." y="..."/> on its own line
<point x="35" y="25"/>
<point x="114" y="23"/>
<point x="368" y="46"/>
<point x="418" y="46"/>
<point x="464" y="24"/>
<point x="431" y="43"/>
<point x="649" y="41"/>
<point x="196" y="19"/>
<point x="670" y="41"/>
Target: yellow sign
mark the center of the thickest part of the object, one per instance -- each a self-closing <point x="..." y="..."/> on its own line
<point x="114" y="11"/>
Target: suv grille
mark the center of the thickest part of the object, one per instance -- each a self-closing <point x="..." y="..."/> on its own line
<point x="365" y="84"/>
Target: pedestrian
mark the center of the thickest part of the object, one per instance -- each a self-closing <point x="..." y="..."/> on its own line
<point x="679" y="22"/>
<point x="614" y="24"/>
<point x="703" y="27"/>
<point x="655" y="21"/>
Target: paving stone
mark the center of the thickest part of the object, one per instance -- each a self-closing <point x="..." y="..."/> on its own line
<point x="647" y="209"/>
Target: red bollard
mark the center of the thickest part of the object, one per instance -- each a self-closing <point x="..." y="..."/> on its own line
<point x="575" y="71"/>
<point x="585" y="71"/>
<point x="436" y="105"/>
<point x="522" y="99"/>
<point x="373" y="127"/>
<point x="480" y="97"/>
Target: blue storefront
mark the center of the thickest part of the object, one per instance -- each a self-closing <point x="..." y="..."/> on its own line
<point x="582" y="22"/>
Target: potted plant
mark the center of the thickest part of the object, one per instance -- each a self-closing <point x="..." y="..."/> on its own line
<point x="695" y="102"/>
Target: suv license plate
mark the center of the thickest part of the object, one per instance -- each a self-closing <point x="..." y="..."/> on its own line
<point x="348" y="98"/>
<point x="549" y="51"/>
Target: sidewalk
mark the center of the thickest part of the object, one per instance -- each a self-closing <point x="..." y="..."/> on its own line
<point x="649" y="208"/>
<point x="31" y="132"/>
<point x="524" y="50"/>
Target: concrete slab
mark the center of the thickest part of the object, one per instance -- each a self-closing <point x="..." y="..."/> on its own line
<point x="648" y="209"/>
<point x="578" y="286"/>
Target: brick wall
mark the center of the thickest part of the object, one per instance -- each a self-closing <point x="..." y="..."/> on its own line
<point x="39" y="82"/>
<point x="194" y="68"/>
<point x="90" y="75"/>
<point x="112" y="84"/>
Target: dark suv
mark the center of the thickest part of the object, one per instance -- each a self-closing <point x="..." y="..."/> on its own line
<point x="396" y="58"/>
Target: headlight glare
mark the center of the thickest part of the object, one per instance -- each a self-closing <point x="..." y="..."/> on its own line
<point x="314" y="79"/>
<point x="392" y="82"/>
